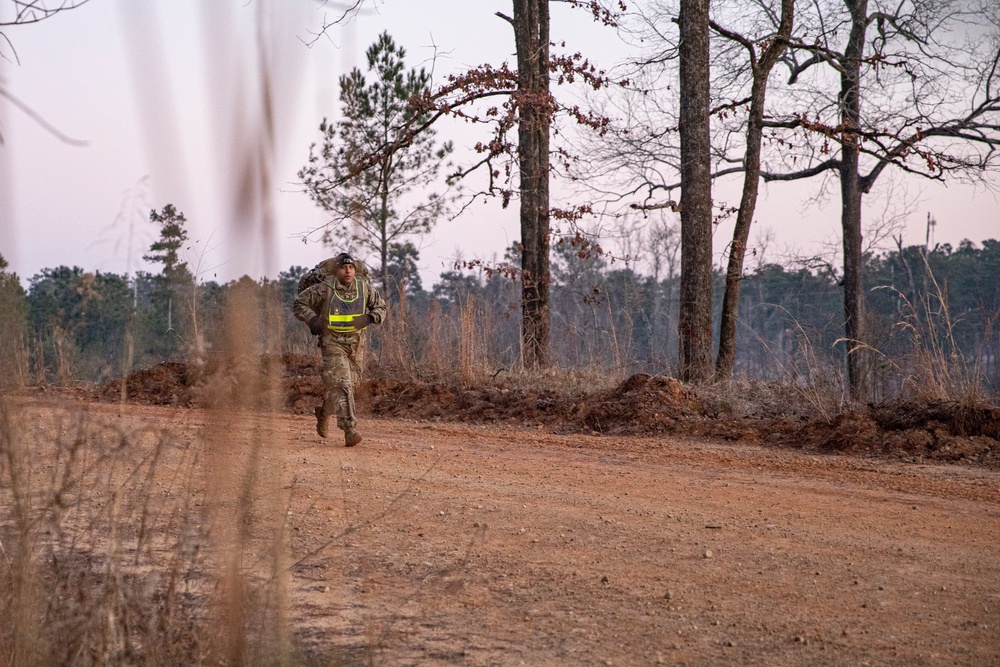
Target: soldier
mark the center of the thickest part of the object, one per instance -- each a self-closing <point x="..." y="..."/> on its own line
<point x="337" y="308"/>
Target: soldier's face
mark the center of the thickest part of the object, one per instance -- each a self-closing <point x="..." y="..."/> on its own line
<point x="345" y="274"/>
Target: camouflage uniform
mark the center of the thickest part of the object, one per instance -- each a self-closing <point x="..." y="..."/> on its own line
<point x="342" y="351"/>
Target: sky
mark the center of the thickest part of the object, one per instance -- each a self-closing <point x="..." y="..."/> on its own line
<point x="150" y="102"/>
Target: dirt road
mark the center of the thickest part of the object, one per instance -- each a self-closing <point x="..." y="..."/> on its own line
<point x="493" y="546"/>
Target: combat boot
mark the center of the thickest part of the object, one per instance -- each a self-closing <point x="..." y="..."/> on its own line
<point x="351" y="437"/>
<point x="321" y="421"/>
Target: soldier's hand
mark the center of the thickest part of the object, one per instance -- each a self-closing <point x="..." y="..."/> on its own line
<point x="362" y="321"/>
<point x="316" y="326"/>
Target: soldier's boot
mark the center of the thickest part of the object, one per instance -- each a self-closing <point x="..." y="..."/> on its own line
<point x="322" y="421"/>
<point x="351" y="437"/>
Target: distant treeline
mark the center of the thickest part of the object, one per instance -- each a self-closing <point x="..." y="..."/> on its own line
<point x="930" y="311"/>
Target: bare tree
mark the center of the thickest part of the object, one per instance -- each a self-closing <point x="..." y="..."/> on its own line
<point x="531" y="39"/>
<point x="760" y="69"/>
<point x="645" y="157"/>
<point x="919" y="90"/>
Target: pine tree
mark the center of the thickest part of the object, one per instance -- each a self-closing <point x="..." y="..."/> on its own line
<point x="176" y="282"/>
<point x="366" y="205"/>
<point x="172" y="238"/>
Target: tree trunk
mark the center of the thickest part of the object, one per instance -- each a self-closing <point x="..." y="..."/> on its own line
<point x="726" y="360"/>
<point x="384" y="230"/>
<point x="531" y="35"/>
<point x="850" y="195"/>
<point x="695" y="322"/>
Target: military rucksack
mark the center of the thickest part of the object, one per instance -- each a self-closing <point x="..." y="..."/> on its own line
<point x="327" y="268"/>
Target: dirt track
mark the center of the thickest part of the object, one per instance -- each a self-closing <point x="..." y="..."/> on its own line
<point x="496" y="546"/>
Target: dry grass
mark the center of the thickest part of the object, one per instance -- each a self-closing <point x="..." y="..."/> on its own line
<point x="920" y="358"/>
<point x="935" y="367"/>
<point x="141" y="547"/>
<point x="103" y="564"/>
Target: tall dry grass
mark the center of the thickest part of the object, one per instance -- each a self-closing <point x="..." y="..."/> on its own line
<point x="806" y="376"/>
<point x="102" y="544"/>
<point x="123" y="545"/>
<point x="927" y="363"/>
<point x="248" y="619"/>
<point x="916" y="355"/>
<point x="458" y="344"/>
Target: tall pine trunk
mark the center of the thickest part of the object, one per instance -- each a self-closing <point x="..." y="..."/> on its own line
<point x="384" y="230"/>
<point x="695" y="323"/>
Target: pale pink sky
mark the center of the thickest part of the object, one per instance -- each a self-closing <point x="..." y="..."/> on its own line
<point x="165" y="94"/>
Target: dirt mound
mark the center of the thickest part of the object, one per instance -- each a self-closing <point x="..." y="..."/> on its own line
<point x="941" y="431"/>
<point x="447" y="402"/>
<point x="641" y="405"/>
<point x="166" y="383"/>
<point x="952" y="416"/>
<point x="223" y="382"/>
<point x="297" y="385"/>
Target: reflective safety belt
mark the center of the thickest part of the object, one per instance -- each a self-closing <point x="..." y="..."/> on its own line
<point x="342" y="323"/>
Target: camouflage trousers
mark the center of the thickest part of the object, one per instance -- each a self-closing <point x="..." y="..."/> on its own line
<point x="343" y="359"/>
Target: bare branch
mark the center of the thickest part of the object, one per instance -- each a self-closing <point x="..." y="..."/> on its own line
<point x="734" y="104"/>
<point x="35" y="11"/>
<point x="347" y="12"/>
<point x="35" y="116"/>
<point x="739" y="39"/>
<point x="804" y="173"/>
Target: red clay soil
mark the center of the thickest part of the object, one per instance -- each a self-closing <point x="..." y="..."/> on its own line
<point x="456" y="544"/>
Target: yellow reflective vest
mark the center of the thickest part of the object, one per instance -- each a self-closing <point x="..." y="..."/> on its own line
<point x="342" y="312"/>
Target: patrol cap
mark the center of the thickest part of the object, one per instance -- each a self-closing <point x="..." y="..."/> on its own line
<point x="343" y="259"/>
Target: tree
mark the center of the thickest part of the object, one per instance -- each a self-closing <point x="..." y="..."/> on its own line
<point x="366" y="204"/>
<point x="695" y="324"/>
<point x="760" y="70"/>
<point x="917" y="91"/>
<point x="531" y="40"/>
<point x="579" y="299"/>
<point x="529" y="105"/>
<point x="645" y="155"/>
<point x="176" y="281"/>
<point x="79" y="321"/>
<point x="55" y="305"/>
<point x="165" y="251"/>
<point x="455" y="288"/>
<point x="404" y="277"/>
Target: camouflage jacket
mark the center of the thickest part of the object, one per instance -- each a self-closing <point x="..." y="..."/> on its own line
<point x="315" y="300"/>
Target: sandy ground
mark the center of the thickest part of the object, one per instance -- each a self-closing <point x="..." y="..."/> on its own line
<point x="498" y="546"/>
